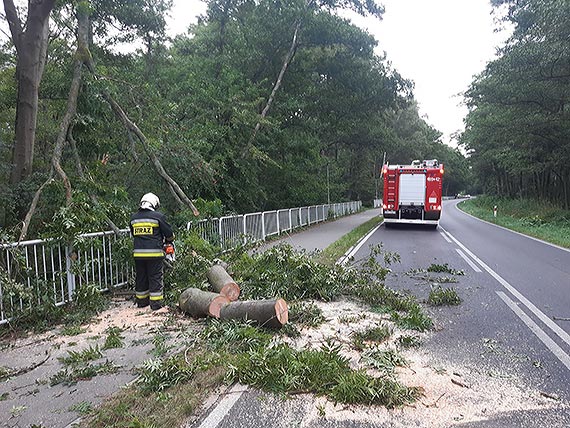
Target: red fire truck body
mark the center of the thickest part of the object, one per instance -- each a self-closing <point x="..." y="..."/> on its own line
<point x="412" y="193"/>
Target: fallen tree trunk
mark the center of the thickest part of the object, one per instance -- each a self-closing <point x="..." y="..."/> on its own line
<point x="198" y="303"/>
<point x="222" y="282"/>
<point x="266" y="313"/>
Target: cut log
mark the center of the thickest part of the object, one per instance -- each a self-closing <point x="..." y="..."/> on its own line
<point x="222" y="282"/>
<point x="198" y="303"/>
<point x="266" y="313"/>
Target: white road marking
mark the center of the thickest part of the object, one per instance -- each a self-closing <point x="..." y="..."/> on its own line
<point x="549" y="323"/>
<point x="468" y="260"/>
<point x="445" y="237"/>
<point x="353" y="250"/>
<point x="223" y="407"/>
<point x="544" y="338"/>
<point x="513" y="231"/>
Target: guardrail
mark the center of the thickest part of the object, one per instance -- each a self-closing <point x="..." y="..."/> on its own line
<point x="32" y="272"/>
<point x="231" y="231"/>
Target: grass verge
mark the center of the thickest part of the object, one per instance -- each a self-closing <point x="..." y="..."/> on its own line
<point x="534" y="218"/>
<point x="337" y="249"/>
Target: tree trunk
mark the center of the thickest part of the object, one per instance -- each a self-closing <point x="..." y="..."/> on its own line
<point x="222" y="282"/>
<point x="198" y="303"/>
<point x="83" y="25"/>
<point x="31" y="48"/>
<point x="267" y="313"/>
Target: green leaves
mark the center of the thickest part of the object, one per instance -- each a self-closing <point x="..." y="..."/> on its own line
<point x="283" y="272"/>
<point x="198" y="100"/>
<point x="160" y="374"/>
<point x="517" y="129"/>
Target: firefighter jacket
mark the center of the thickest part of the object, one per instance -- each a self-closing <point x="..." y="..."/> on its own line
<point x="149" y="229"/>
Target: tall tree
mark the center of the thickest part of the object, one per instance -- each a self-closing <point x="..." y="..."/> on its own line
<point x="30" y="40"/>
<point x="518" y="128"/>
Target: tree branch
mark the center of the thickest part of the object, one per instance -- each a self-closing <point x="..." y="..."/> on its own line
<point x="286" y="62"/>
<point x="71" y="109"/>
<point x="33" y="206"/>
<point x="13" y="22"/>
<point x="131" y="127"/>
<point x="81" y="174"/>
<point x="83" y="25"/>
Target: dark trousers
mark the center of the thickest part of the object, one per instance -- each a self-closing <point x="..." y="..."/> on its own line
<point x="148" y="284"/>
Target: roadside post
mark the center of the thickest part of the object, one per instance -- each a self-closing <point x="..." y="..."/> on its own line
<point x="495" y="211"/>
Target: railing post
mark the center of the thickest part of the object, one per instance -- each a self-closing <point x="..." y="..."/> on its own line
<point x="244" y="229"/>
<point x="263" y="225"/>
<point x="220" y="232"/>
<point x="69" y="273"/>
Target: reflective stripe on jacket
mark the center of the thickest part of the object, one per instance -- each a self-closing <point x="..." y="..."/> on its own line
<point x="149" y="229"/>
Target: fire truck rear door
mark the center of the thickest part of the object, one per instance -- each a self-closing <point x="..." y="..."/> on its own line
<point x="412" y="189"/>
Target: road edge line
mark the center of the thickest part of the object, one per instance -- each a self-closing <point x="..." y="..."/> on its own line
<point x="223" y="407"/>
<point x="468" y="260"/>
<point x="354" y="249"/>
<point x="445" y="237"/>
<point x="542" y="336"/>
<point x="541" y="316"/>
<point x="513" y="231"/>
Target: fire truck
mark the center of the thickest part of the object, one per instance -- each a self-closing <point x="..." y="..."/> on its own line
<point x="412" y="193"/>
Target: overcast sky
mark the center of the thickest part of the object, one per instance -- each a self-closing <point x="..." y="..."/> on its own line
<point x="439" y="44"/>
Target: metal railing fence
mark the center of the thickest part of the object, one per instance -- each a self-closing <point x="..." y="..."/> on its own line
<point x="32" y="272"/>
<point x="231" y="231"/>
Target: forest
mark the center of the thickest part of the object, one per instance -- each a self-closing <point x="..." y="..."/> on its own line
<point x="260" y="105"/>
<point x="518" y="129"/>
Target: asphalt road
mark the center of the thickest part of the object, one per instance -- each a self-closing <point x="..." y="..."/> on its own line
<point x="513" y="290"/>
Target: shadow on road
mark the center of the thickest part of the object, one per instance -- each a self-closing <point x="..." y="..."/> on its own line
<point x="411" y="227"/>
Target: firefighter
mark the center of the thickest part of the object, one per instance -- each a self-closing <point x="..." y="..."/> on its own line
<point x="150" y="232"/>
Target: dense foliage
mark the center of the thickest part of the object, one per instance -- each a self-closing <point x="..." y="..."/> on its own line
<point x="202" y="101"/>
<point x="518" y="128"/>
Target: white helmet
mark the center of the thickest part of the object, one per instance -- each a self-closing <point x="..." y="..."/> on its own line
<point x="150" y="201"/>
